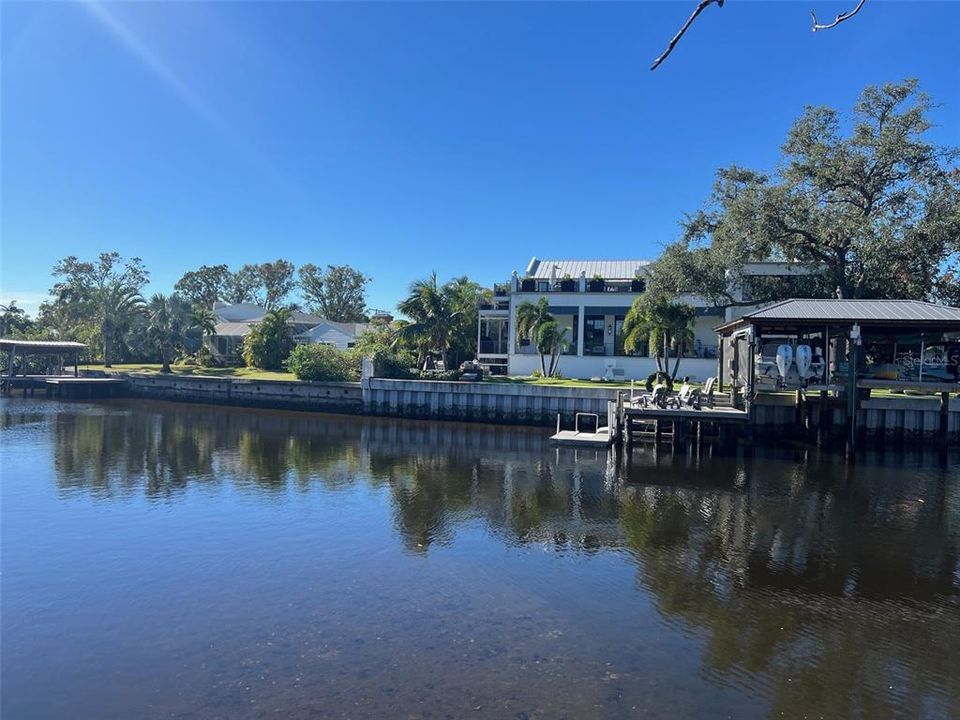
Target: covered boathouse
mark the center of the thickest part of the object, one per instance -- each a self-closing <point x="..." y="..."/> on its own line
<point x="841" y="351"/>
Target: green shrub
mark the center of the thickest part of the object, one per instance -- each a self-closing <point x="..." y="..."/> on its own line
<point x="439" y="374"/>
<point x="321" y="363"/>
<point x="270" y="341"/>
<point x="394" y="364"/>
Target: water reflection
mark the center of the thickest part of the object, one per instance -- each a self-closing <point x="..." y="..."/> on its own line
<point x="813" y="585"/>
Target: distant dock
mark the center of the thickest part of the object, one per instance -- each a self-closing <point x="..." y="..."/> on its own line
<point x="63" y="386"/>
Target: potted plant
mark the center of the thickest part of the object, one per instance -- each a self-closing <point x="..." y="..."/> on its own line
<point x="567" y="284"/>
<point x="528" y="285"/>
<point x="596" y="284"/>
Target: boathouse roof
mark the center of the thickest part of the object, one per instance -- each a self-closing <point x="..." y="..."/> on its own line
<point x="913" y="313"/>
<point x="41" y="346"/>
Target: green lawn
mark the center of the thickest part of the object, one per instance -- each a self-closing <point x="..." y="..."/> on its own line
<point x="558" y="382"/>
<point x="232" y="372"/>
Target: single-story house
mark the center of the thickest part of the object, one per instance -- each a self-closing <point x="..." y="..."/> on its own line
<point x="235" y="321"/>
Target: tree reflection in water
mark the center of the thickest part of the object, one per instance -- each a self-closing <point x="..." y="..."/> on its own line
<point x="835" y="589"/>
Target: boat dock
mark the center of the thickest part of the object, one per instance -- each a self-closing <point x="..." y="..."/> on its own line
<point x="62" y="386"/>
<point x="590" y="435"/>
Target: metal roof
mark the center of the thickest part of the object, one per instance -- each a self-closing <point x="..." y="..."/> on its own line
<point x="858" y="310"/>
<point x="908" y="312"/>
<point x="607" y="269"/>
<point x="41" y="345"/>
<point x="233" y="329"/>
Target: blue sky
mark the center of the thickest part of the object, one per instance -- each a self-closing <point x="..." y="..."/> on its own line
<point x="403" y="138"/>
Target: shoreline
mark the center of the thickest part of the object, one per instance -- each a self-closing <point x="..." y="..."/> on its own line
<point x="881" y="421"/>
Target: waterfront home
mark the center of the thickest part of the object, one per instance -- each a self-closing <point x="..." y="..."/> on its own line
<point x="236" y="320"/>
<point x="590" y="299"/>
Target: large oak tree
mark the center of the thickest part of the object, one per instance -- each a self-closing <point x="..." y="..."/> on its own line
<point x="872" y="206"/>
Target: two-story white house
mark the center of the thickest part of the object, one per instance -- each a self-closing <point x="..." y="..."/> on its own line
<point x="590" y="298"/>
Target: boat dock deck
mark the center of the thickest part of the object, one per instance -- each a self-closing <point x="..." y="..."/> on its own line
<point x="62" y="385"/>
<point x="706" y="414"/>
<point x="572" y="438"/>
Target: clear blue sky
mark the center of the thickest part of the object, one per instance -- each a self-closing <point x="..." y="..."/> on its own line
<point x="402" y="138"/>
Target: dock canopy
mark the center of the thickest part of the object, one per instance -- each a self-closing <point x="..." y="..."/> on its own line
<point x="11" y="347"/>
<point x="796" y="314"/>
<point x="38" y="347"/>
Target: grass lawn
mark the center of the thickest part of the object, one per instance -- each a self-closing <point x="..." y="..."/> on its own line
<point x="558" y="382"/>
<point x="231" y="372"/>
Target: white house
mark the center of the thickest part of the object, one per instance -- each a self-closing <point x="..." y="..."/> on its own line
<point x="341" y="335"/>
<point x="234" y="322"/>
<point x="590" y="298"/>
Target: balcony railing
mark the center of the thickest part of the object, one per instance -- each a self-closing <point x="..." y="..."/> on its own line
<point x="529" y="285"/>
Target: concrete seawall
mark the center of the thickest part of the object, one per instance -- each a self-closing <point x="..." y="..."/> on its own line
<point x="340" y="397"/>
<point x="902" y="419"/>
<point x="518" y="403"/>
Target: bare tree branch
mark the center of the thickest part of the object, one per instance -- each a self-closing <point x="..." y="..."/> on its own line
<point x="700" y="8"/>
<point x="839" y="19"/>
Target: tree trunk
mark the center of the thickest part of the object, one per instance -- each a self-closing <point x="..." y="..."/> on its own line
<point x="676" y="365"/>
<point x="107" y="332"/>
<point x="666" y="353"/>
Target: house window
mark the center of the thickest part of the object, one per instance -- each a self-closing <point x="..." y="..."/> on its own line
<point x="593" y="335"/>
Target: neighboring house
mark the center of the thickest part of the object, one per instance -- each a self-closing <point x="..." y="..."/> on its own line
<point x="235" y="321"/>
<point x="590" y="298"/>
<point x="327" y="332"/>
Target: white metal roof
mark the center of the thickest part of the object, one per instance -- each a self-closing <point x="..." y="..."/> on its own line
<point x="857" y="310"/>
<point x="51" y="345"/>
<point x="607" y="269"/>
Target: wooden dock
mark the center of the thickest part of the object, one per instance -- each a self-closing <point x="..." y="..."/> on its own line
<point x="714" y="414"/>
<point x="573" y="438"/>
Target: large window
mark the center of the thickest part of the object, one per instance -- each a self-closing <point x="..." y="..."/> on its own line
<point x="493" y="336"/>
<point x="593" y="335"/>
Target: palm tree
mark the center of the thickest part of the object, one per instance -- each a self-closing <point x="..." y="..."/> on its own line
<point x="203" y="319"/>
<point x="551" y="340"/>
<point x="114" y="306"/>
<point x="168" y="319"/>
<point x="655" y="319"/>
<point x="530" y="318"/>
<point x="432" y="313"/>
<point x="680" y="319"/>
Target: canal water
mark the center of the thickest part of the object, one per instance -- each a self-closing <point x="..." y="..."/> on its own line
<point x="186" y="561"/>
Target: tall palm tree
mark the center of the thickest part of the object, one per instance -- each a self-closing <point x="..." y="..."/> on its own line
<point x="168" y="319"/>
<point x="551" y="340"/>
<point x="530" y="318"/>
<point x="662" y="323"/>
<point x="432" y="313"/>
<point x="680" y="318"/>
<point x="115" y="305"/>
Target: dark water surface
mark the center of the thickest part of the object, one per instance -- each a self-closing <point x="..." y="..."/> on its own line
<point x="174" y="561"/>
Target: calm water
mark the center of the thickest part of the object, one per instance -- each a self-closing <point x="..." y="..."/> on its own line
<point x="171" y="561"/>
